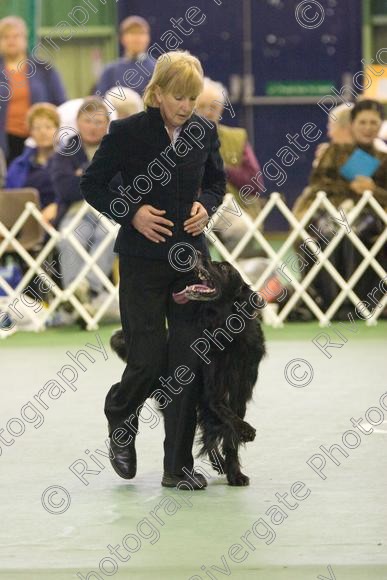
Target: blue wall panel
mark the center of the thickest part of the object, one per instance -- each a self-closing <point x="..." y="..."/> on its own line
<point x="285" y="50"/>
<point x="282" y="50"/>
<point x="217" y="42"/>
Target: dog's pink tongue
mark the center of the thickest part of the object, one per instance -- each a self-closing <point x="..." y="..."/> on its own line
<point x="180" y="297"/>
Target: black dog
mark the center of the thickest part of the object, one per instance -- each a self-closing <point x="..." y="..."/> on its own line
<point x="229" y="304"/>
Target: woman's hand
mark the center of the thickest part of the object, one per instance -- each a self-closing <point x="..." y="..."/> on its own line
<point x="149" y="222"/>
<point x="361" y="183"/>
<point x="50" y="212"/>
<point x="196" y="224"/>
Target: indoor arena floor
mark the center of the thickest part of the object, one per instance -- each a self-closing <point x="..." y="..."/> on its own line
<point x="337" y="531"/>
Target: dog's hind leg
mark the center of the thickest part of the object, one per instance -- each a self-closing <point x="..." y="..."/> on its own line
<point x="217" y="461"/>
<point x="212" y="433"/>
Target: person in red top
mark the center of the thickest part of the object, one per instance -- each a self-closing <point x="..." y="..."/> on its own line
<point x="24" y="82"/>
<point x="13" y="46"/>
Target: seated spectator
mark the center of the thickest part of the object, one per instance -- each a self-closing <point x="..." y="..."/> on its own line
<point x="68" y="166"/>
<point x="121" y="102"/>
<point x="68" y="112"/>
<point x="135" y="39"/>
<point x="33" y="168"/>
<point x="20" y="89"/>
<point x="339" y="131"/>
<point x="130" y="105"/>
<point x="3" y="168"/>
<point x="366" y="118"/>
<point x="239" y="158"/>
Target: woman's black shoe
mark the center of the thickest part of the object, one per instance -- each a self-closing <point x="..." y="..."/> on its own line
<point x="182" y="481"/>
<point x="124" y="460"/>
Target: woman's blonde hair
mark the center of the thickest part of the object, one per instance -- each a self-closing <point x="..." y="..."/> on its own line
<point x="178" y="73"/>
<point x="46" y="110"/>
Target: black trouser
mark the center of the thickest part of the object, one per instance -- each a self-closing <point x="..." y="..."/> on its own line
<point x="145" y="302"/>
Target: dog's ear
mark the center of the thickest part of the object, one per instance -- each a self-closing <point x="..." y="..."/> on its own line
<point x="243" y="293"/>
<point x="257" y="302"/>
<point x="254" y="299"/>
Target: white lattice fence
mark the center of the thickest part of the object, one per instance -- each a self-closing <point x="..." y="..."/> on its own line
<point x="299" y="231"/>
<point x="38" y="266"/>
<point x="254" y="229"/>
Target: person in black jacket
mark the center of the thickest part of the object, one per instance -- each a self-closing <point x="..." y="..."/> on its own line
<point x="173" y="181"/>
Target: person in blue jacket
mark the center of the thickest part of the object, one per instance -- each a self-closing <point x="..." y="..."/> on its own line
<point x="135" y="39"/>
<point x="33" y="168"/>
<point x="24" y="81"/>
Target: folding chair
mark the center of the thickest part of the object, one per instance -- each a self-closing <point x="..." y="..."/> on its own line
<point x="12" y="204"/>
<point x="29" y="235"/>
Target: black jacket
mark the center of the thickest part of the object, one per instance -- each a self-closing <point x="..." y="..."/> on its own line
<point x="153" y="173"/>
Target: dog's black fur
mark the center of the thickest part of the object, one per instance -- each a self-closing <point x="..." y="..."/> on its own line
<point x="229" y="380"/>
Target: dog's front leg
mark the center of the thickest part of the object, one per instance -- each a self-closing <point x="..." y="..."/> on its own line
<point x="232" y="464"/>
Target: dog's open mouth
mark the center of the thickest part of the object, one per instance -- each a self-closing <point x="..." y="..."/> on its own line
<point x="202" y="292"/>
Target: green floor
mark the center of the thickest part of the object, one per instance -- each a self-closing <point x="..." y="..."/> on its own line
<point x="71" y="335"/>
<point x="339" y="531"/>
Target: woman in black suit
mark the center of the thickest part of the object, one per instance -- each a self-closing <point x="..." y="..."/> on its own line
<point x="173" y="181"/>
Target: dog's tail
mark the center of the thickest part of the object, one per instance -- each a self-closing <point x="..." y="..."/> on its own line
<point x="118" y="345"/>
